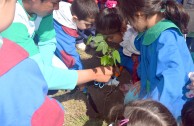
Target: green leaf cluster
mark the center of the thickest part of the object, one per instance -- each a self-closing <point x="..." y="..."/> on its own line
<point x="110" y="55"/>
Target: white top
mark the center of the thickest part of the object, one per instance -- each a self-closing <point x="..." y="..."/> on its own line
<point x="1" y="41"/>
<point x="128" y="42"/>
<point x="63" y="15"/>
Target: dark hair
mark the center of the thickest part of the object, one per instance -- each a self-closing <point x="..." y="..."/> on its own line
<point x="187" y="113"/>
<point x="84" y="9"/>
<point x="172" y="10"/>
<point x="109" y="21"/>
<point x="146" y="113"/>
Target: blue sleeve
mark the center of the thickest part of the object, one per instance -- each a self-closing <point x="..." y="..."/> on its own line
<point x="173" y="64"/>
<point x="57" y="78"/>
<point x="137" y="43"/>
<point x="46" y="39"/>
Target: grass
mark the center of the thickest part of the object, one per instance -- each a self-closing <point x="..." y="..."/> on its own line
<point x="76" y="110"/>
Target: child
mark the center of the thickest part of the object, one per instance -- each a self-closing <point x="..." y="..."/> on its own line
<point x="165" y="58"/>
<point x="21" y="80"/>
<point x="25" y="22"/>
<point x="111" y="24"/>
<point x="187" y="113"/>
<point x="142" y="113"/>
<point x="67" y="20"/>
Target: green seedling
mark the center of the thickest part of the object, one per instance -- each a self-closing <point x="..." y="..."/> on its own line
<point x="110" y="55"/>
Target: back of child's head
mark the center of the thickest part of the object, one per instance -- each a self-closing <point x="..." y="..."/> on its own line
<point x="109" y="21"/>
<point x="170" y="10"/>
<point x="187" y="113"/>
<point x="145" y="113"/>
<point x="84" y="9"/>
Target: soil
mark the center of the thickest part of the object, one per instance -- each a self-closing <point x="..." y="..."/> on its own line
<point x="107" y="96"/>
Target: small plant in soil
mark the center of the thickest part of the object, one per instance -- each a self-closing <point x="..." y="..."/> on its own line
<point x="110" y="55"/>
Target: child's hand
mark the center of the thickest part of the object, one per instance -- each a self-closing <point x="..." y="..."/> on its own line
<point x="190" y="93"/>
<point x="103" y="74"/>
<point x="136" y="87"/>
<point x="191" y="77"/>
<point x="190" y="86"/>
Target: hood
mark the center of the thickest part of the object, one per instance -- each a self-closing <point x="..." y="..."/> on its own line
<point x="64" y="16"/>
<point x="10" y="55"/>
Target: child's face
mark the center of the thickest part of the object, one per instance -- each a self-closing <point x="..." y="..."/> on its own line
<point x="84" y="24"/>
<point x="7" y="9"/>
<point x="139" y="22"/>
<point x="43" y="8"/>
<point x="115" y="37"/>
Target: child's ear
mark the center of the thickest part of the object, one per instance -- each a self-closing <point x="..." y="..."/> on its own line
<point x="75" y="18"/>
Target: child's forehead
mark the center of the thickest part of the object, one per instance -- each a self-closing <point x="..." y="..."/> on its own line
<point x="89" y="20"/>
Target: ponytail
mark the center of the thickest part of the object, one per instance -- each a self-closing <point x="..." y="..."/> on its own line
<point x="176" y="13"/>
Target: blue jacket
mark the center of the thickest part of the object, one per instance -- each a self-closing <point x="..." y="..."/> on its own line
<point x="165" y="64"/>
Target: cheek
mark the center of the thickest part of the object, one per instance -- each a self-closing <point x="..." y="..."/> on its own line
<point x="81" y="26"/>
<point x="46" y="10"/>
<point x="141" y="28"/>
<point x="117" y="39"/>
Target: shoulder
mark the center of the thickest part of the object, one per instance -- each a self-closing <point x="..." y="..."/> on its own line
<point x="64" y="8"/>
<point x="171" y="34"/>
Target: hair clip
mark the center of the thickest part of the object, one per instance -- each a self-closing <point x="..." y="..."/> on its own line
<point x="123" y="122"/>
<point x="110" y="3"/>
<point x="162" y="10"/>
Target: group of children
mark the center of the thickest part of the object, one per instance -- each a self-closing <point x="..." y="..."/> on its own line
<point x="29" y="67"/>
<point x="165" y="60"/>
<point x="38" y="53"/>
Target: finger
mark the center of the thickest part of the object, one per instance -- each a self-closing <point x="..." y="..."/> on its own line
<point x="137" y="91"/>
<point x="134" y="86"/>
<point x="190" y="86"/>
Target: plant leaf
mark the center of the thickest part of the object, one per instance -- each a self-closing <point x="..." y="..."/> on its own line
<point x="111" y="62"/>
<point x="101" y="46"/>
<point x="116" y="57"/>
<point x="98" y="38"/>
<point x="89" y="40"/>
<point x="104" y="60"/>
<point x="105" y="48"/>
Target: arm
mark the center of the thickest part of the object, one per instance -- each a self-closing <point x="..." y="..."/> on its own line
<point x="100" y="74"/>
<point x="46" y="39"/>
<point x="57" y="78"/>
